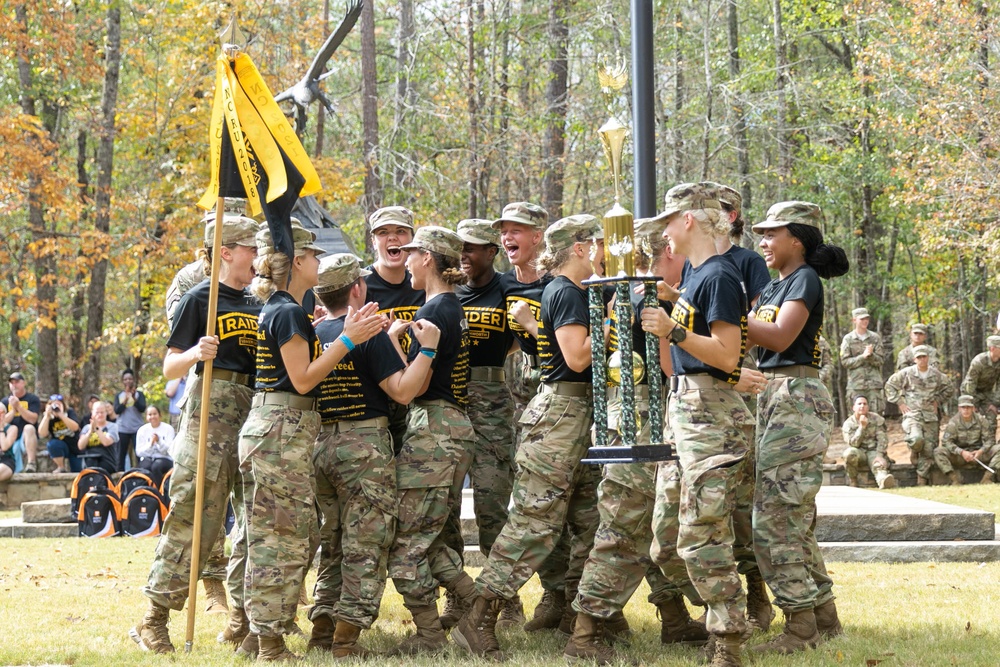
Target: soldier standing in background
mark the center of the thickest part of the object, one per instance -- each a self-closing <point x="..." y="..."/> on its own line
<point x="861" y="354"/>
<point x="867" y="442"/>
<point x="918" y="336"/>
<point x="982" y="381"/>
<point x="967" y="438"/>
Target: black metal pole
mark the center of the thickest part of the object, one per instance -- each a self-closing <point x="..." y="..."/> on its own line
<point x="643" y="111"/>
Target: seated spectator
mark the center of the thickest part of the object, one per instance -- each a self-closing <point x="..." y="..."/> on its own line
<point x="867" y="442"/>
<point x="968" y="437"/>
<point x="22" y="413"/>
<point x="175" y="392"/>
<point x="8" y="435"/>
<point x="93" y="398"/>
<point x="60" y="427"/>
<point x="99" y="438"/>
<point x="154" y="437"/>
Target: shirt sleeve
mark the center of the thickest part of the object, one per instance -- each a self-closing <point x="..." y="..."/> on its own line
<point x="725" y="298"/>
<point x="567" y="308"/>
<point x="289" y="321"/>
<point x="188" y="323"/>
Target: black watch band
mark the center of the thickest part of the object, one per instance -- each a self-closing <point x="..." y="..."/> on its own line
<point x="678" y="335"/>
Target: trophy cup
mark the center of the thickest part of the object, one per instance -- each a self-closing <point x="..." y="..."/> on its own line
<point x="625" y="368"/>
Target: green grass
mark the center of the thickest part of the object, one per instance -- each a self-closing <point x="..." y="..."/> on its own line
<point x="72" y="601"/>
<point x="973" y="496"/>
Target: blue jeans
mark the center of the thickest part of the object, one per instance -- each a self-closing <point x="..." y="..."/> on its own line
<point x="59" y="449"/>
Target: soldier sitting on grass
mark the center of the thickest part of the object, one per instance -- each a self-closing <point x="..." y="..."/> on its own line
<point x="866" y="440"/>
<point x="967" y="438"/>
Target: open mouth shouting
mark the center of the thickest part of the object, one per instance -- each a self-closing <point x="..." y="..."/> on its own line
<point x="393" y="252"/>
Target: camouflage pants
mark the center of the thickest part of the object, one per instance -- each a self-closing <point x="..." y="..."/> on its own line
<point x="711" y="429"/>
<point x="922" y="439"/>
<point x="984" y="406"/>
<point x="169" y="575"/>
<point x="430" y="473"/>
<point x="356" y="490"/>
<point x="855" y="458"/>
<point x="666" y="528"/>
<point x="282" y="524"/>
<point x="948" y="462"/>
<point x="491" y="412"/>
<point x="875" y="396"/>
<point x="552" y="489"/>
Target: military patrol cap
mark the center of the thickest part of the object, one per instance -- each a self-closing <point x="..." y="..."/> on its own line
<point x="237" y="228"/>
<point x="993" y="341"/>
<point x="966" y="401"/>
<point x="788" y="212"/>
<point x="478" y="232"/>
<point x="436" y="239"/>
<point x="565" y="232"/>
<point x="650" y="229"/>
<point x="687" y="197"/>
<point x="921" y="351"/>
<point x="339" y="270"/>
<point x="303" y="239"/>
<point x="726" y="195"/>
<point x="391" y="215"/>
<point x="919" y="328"/>
<point x="858" y="313"/>
<point x="523" y="213"/>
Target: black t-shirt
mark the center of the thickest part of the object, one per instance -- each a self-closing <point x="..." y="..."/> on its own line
<point x="29" y="402"/>
<point x="712" y="292"/>
<point x="281" y="319"/>
<point x="752" y="267"/>
<point x="59" y="431"/>
<point x="235" y="325"/>
<point x="531" y="294"/>
<point x="803" y="285"/>
<point x="352" y="391"/>
<point x="450" y="367"/>
<point x="486" y="312"/>
<point x="563" y="304"/>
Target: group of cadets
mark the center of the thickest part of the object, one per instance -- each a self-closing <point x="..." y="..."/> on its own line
<point x="429" y="367"/>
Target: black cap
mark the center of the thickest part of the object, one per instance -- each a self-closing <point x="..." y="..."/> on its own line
<point x="16" y="376"/>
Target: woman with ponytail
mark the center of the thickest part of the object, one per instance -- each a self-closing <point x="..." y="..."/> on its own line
<point x="794" y="421"/>
<point x="276" y="443"/>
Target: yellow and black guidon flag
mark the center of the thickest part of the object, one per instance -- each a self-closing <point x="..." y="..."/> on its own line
<point x="255" y="152"/>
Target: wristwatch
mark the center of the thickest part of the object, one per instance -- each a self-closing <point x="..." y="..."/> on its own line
<point x="677" y="335"/>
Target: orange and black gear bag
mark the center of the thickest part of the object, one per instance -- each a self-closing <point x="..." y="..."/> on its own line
<point x="134" y="478"/>
<point x="100" y="514"/>
<point x="165" y="487"/>
<point x="143" y="512"/>
<point x="86" y="480"/>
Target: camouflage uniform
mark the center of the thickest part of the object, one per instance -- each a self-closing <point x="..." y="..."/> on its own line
<point x="905" y="357"/>
<point x="168" y="580"/>
<point x="825" y="363"/>
<point x="960" y="435"/>
<point x="552" y="489"/>
<point x="982" y="382"/>
<point x="922" y="396"/>
<point x="794" y="423"/>
<point x="282" y="529"/>
<point x="491" y="410"/>
<point x="864" y="374"/>
<point x="866" y="446"/>
<point x="430" y="474"/>
<point x="356" y="490"/>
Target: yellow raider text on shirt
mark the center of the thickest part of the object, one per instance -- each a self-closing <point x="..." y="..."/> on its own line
<point x="238" y="324"/>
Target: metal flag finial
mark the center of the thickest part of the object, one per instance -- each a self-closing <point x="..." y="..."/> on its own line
<point x="232" y="38"/>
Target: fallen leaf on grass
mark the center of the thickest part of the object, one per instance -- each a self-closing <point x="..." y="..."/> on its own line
<point x="74" y="619"/>
<point x="968" y="626"/>
<point x="871" y="662"/>
<point x="840" y="656"/>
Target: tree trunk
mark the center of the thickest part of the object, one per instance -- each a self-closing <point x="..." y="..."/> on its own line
<point x="706" y="135"/>
<point x="369" y="115"/>
<point x="554" y="137"/>
<point x="781" y="122"/>
<point x="678" y="138"/>
<point x="739" y="111"/>
<point x="77" y="312"/>
<point x="473" y="104"/>
<point x="402" y="172"/>
<point x="503" y="192"/>
<point x="102" y="198"/>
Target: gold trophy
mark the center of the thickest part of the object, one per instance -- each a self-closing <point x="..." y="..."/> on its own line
<point x="618" y="234"/>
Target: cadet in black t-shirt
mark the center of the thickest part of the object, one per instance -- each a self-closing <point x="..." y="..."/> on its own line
<point x="796" y="419"/>
<point x="708" y="419"/>
<point x="355" y="469"/>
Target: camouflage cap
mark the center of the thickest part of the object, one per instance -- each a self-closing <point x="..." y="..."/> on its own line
<point x="339" y="270"/>
<point x="858" y="313"/>
<point x="650" y="229"/>
<point x="391" y="215"/>
<point x="787" y="212"/>
<point x="687" y="197"/>
<point x="993" y="341"/>
<point x="565" y="232"/>
<point x="727" y="196"/>
<point x="436" y="239"/>
<point x="523" y="213"/>
<point x="303" y="238"/>
<point x="237" y="227"/>
<point x="478" y="232"/>
<point x="918" y="328"/>
<point x="966" y="401"/>
<point x="921" y="351"/>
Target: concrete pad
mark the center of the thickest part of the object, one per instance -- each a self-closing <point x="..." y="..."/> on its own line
<point x="47" y="511"/>
<point x="20" y="529"/>
<point x="847" y="514"/>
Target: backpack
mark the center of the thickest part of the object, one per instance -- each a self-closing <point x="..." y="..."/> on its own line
<point x="134" y="478"/>
<point x="165" y="487"/>
<point x="143" y="512"/>
<point x="157" y="467"/>
<point x="99" y="514"/>
<point x="86" y="480"/>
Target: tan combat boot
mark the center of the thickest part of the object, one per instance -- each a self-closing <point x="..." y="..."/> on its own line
<point x="852" y="480"/>
<point x="922" y="481"/>
<point x="616" y="628"/>
<point x="322" y="633"/>
<point x="827" y="622"/>
<point x="549" y="612"/>
<point x="727" y="650"/>
<point x="587" y="642"/>
<point x="511" y="614"/>
<point x="215" y="596"/>
<point x="988" y="478"/>
<point x="799" y="634"/>
<point x="458" y="600"/>
<point x="569" y="613"/>
<point x="273" y="649"/>
<point x="345" y="642"/>
<point x="677" y="627"/>
<point x="955" y="478"/>
<point x="760" y="613"/>
<point x="249" y="647"/>
<point x="237" y="629"/>
<point x="429" y="636"/>
<point x="476" y="632"/>
<point x="151" y="634"/>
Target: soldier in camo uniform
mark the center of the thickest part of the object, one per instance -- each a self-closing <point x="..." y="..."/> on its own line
<point x="919" y="391"/>
<point x="861" y="354"/>
<point x="867" y="441"/>
<point x="233" y="371"/>
<point x="794" y="423"/>
<point x="918" y="336"/>
<point x="355" y="466"/>
<point x="967" y="438"/>
<point x="982" y="381"/>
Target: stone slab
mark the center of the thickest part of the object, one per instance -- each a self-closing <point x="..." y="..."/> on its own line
<point x="27" y="487"/>
<point x="20" y="529"/>
<point x="47" y="511"/>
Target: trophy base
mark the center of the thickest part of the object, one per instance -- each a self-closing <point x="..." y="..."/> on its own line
<point x="633" y="454"/>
